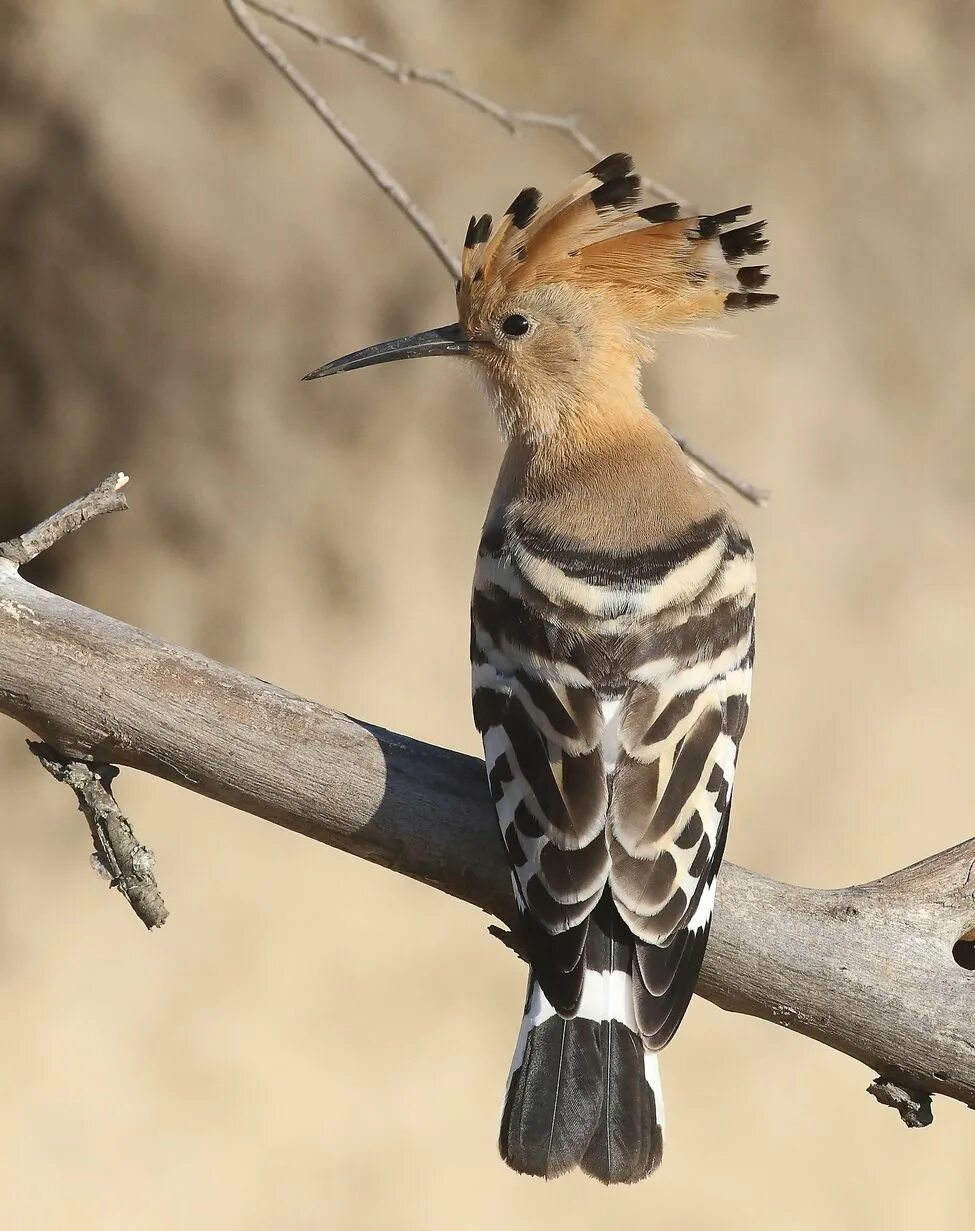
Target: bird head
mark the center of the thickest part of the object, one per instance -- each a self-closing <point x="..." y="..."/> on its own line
<point x="557" y="303"/>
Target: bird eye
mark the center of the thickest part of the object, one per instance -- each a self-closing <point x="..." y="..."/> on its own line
<point x="515" y="325"/>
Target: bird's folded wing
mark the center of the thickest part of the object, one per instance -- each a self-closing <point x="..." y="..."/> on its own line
<point x="668" y="820"/>
<point x="547" y="778"/>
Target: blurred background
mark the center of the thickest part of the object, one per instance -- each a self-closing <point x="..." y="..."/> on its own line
<point x="310" y="1041"/>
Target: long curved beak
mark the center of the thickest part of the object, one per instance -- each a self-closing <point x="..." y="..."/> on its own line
<point x="447" y="340"/>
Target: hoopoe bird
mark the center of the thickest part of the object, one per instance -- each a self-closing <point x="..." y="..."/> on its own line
<point x="612" y="640"/>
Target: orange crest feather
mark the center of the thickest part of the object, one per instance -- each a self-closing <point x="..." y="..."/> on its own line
<point x="661" y="271"/>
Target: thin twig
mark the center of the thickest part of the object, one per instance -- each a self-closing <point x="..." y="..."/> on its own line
<point x="107" y="497"/>
<point x="442" y="79"/>
<point x="118" y="853"/>
<point x="748" y="491"/>
<point x="371" y="165"/>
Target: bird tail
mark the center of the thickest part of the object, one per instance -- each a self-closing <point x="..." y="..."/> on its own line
<point x="583" y="1091"/>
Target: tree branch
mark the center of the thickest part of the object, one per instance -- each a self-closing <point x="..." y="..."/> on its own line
<point x="443" y="79"/>
<point x="118" y="855"/>
<point x="759" y="496"/>
<point x="107" y="497"/>
<point x="376" y="171"/>
<point x="867" y="970"/>
<point x="913" y="1106"/>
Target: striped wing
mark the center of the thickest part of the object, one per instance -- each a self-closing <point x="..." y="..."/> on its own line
<point x="545" y="769"/>
<point x="668" y="821"/>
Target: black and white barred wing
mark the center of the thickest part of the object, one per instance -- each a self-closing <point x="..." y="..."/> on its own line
<point x="668" y="821"/>
<point x="541" y="726"/>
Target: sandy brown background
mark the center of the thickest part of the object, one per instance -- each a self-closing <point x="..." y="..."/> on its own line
<point x="312" y="1042"/>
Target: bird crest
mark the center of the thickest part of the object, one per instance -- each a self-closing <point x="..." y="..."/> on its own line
<point x="656" y="269"/>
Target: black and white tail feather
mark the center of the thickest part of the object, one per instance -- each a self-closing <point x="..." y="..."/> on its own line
<point x="583" y="1091"/>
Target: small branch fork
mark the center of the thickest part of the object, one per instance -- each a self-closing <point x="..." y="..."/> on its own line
<point x="442" y="79"/>
<point x="118" y="854"/>
<point x="913" y="1106"/>
<point x="376" y="171"/>
<point x="880" y="971"/>
<point x="513" y="121"/>
<point x="107" y="497"/>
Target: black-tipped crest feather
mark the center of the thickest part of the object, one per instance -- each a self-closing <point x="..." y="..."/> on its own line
<point x="739" y="301"/>
<point x="613" y="167"/>
<point x="524" y="207"/>
<point x="744" y="241"/>
<point x="667" y="211"/>
<point x="753" y="276"/>
<point x="616" y="193"/>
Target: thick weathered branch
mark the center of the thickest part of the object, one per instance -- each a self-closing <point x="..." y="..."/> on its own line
<point x="867" y="970"/>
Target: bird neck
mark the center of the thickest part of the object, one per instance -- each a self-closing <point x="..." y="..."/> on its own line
<point x="612" y="432"/>
<point x="617" y="476"/>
